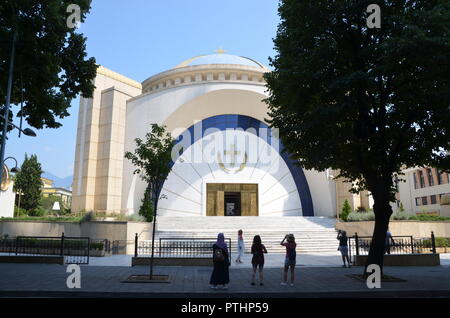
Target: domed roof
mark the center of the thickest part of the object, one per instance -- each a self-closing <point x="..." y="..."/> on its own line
<point x="220" y="58"/>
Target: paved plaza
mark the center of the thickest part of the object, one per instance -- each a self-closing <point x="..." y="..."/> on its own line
<point x="312" y="281"/>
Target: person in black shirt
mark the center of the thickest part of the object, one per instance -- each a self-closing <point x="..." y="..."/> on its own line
<point x="343" y="247"/>
<point x="258" y="251"/>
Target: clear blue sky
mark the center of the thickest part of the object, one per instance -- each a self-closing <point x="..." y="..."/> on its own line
<point x="139" y="38"/>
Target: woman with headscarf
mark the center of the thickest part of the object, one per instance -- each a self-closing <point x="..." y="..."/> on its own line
<point x="220" y="274"/>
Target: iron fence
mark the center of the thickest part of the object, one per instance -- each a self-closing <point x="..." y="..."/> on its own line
<point x="75" y="250"/>
<point x="360" y="245"/>
<point x="121" y="246"/>
<point x="178" y="247"/>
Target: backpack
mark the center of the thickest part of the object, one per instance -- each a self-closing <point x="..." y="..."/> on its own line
<point x="291" y="253"/>
<point x="218" y="255"/>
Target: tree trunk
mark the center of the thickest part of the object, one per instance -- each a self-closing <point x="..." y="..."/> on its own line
<point x="155" y="203"/>
<point x="383" y="212"/>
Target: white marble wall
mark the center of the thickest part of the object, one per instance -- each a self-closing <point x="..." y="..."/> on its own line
<point x="185" y="187"/>
<point x="7" y="199"/>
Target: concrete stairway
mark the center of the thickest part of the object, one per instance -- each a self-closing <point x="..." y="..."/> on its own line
<point x="313" y="234"/>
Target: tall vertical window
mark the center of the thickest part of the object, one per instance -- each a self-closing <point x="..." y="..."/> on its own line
<point x="440" y="176"/>
<point x="415" y="181"/>
<point x="430" y="177"/>
<point x="422" y="179"/>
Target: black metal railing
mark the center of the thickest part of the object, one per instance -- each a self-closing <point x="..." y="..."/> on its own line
<point x="360" y="245"/>
<point x="75" y="250"/>
<point x="178" y="247"/>
<point x="121" y="246"/>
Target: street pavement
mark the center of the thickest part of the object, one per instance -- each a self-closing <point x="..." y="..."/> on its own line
<point x="314" y="280"/>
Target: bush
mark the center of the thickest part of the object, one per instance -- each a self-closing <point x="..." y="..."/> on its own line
<point x="425" y="217"/>
<point x="401" y="215"/>
<point x="346" y="209"/>
<point x="39" y="212"/>
<point x="360" y="216"/>
<point x="361" y="209"/>
<point x="88" y="217"/>
<point x="133" y="218"/>
<point x="19" y="212"/>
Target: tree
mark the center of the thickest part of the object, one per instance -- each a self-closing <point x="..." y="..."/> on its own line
<point x="28" y="181"/>
<point x="367" y="102"/>
<point x="346" y="209"/>
<point x="152" y="159"/>
<point x="50" y="60"/>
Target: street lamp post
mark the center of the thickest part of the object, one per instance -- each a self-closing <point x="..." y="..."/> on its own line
<point x="8" y="102"/>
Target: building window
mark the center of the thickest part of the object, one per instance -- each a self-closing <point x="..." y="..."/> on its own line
<point x="430" y="177"/>
<point x="424" y="201"/>
<point x="433" y="199"/>
<point x="418" y="202"/>
<point x="422" y="179"/>
<point x="440" y="176"/>
<point x="415" y="181"/>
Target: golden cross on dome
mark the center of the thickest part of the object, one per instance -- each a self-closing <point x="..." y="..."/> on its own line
<point x="220" y="50"/>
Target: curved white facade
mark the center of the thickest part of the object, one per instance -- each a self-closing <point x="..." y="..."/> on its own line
<point x="184" y="96"/>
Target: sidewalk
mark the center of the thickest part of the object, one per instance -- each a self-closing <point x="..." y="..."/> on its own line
<point x="271" y="260"/>
<point x="22" y="280"/>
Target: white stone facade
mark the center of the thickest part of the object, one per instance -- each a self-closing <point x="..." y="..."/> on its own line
<point x="180" y="98"/>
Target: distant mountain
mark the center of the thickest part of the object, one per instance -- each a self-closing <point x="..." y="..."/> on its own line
<point x="59" y="182"/>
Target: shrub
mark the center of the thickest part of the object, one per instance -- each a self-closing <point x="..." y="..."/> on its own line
<point x="361" y="209"/>
<point x="88" y="217"/>
<point x="19" y="212"/>
<point x="39" y="212"/>
<point x="360" y="216"/>
<point x="96" y="246"/>
<point x="401" y="215"/>
<point x="346" y="209"/>
<point x="425" y="217"/>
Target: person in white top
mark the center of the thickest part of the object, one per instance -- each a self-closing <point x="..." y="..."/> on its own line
<point x="241" y="247"/>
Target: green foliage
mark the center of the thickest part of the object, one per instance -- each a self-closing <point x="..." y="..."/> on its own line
<point x="425" y="217"/>
<point x="366" y="102"/>
<point x="363" y="101"/>
<point x="28" y="181"/>
<point x="133" y="218"/>
<point x="152" y="158"/>
<point x="146" y="209"/>
<point x="346" y="209"/>
<point x="38" y="212"/>
<point x="48" y="202"/>
<point x="361" y="209"/>
<point x="442" y="242"/>
<point x="73" y="219"/>
<point x="439" y="241"/>
<point x="88" y="217"/>
<point x="19" y="212"/>
<point x="360" y="216"/>
<point x="401" y="215"/>
<point x="96" y="246"/>
<point x="50" y="59"/>
<point x="402" y="209"/>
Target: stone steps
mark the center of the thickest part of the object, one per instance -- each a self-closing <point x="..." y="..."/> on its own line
<point x="313" y="234"/>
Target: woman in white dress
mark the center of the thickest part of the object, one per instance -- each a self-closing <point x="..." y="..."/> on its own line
<point x="241" y="247"/>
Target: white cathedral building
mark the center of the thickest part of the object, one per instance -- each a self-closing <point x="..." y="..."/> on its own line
<point x="227" y="162"/>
